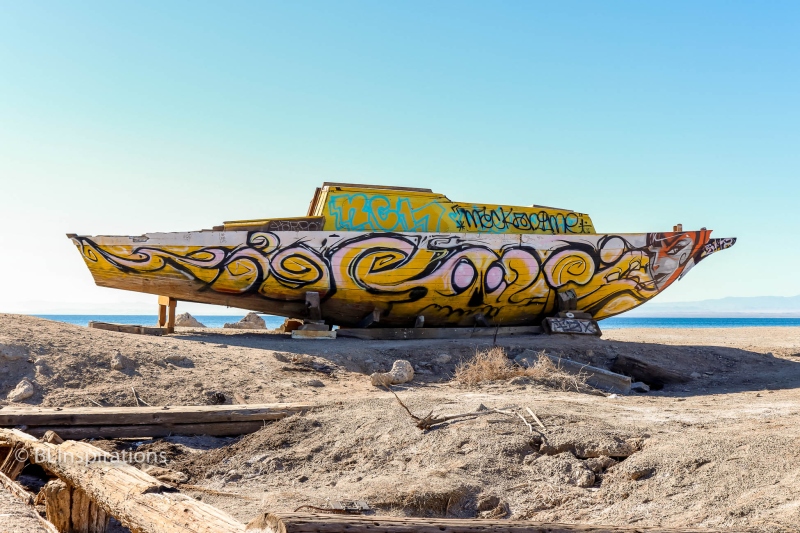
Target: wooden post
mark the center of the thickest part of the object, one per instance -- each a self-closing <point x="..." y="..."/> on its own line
<point x="166" y="313"/>
<point x="71" y="510"/>
<point x="313" y="306"/>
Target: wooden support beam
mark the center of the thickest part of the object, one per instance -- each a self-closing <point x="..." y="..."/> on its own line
<point x="166" y="313"/>
<point x="572" y="326"/>
<point x="372" y="318"/>
<point x="139" y="501"/>
<point x="127" y="416"/>
<point x="335" y="523"/>
<point x="313" y="306"/>
<point x="434" y="333"/>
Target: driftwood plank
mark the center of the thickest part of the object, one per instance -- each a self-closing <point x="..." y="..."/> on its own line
<point x="324" y="523"/>
<point x="139" y="501"/>
<point x="123" y="416"/>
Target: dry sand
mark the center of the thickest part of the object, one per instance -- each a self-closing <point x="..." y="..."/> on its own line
<point x="717" y="450"/>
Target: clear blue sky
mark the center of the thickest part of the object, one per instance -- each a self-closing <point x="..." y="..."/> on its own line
<point x="125" y="117"/>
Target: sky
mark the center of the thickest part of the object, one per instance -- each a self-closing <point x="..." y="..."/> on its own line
<point x="127" y="117"/>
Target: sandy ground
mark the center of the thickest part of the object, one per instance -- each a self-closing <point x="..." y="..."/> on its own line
<point x="716" y="445"/>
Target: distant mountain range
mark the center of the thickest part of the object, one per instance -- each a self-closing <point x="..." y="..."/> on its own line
<point x="733" y="306"/>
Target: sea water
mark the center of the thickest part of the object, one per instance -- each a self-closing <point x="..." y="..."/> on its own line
<point x="217" y="321"/>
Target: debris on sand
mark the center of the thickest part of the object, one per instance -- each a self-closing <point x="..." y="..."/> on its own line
<point x="401" y="372"/>
<point x="185" y="320"/>
<point x="251" y="321"/>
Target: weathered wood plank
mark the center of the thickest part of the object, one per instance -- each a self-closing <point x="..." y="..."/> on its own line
<point x="331" y="523"/>
<point x="121" y="416"/>
<point x="435" y="333"/>
<point x="216" y="429"/>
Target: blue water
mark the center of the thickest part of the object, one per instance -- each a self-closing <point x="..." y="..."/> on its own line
<point x="210" y="321"/>
<point x="687" y="322"/>
<point x="217" y="321"/>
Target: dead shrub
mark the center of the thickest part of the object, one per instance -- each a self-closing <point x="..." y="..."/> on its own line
<point x="494" y="365"/>
<point x="486" y="365"/>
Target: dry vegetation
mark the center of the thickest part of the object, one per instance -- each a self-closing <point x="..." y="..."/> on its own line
<point x="495" y="365"/>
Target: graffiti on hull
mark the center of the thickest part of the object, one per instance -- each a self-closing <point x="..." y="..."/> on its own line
<point x="446" y="278"/>
<point x="369" y="210"/>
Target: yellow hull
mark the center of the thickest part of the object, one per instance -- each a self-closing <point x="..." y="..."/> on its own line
<point x="449" y="278"/>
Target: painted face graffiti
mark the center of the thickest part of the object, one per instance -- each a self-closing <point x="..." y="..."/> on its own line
<point x="671" y="252"/>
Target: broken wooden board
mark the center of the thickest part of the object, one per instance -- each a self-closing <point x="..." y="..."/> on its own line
<point x="599" y="378"/>
<point x="435" y="333"/>
<point x="572" y="326"/>
<point x="192" y="414"/>
<point x="336" y="523"/>
<point x="139" y="501"/>
<point x="128" y="328"/>
<point x="651" y="372"/>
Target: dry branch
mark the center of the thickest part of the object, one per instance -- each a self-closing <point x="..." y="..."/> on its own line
<point x="535" y="418"/>
<point x="428" y="421"/>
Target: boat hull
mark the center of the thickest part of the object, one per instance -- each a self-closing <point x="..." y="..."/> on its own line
<point x="449" y="278"/>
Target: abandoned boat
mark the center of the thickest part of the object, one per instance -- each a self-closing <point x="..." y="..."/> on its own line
<point x="399" y="254"/>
